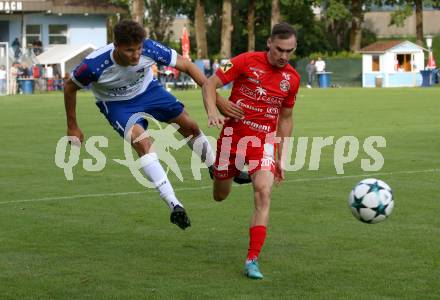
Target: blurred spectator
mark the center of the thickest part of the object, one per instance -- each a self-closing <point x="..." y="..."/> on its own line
<point x="24" y="71"/>
<point x="36" y="71"/>
<point x="48" y="74"/>
<point x="13" y="79"/>
<point x="215" y="66"/>
<point x="58" y="82"/>
<point x="320" y="65"/>
<point x="37" y="47"/>
<point x="171" y="74"/>
<point x="161" y="75"/>
<point x="2" y="80"/>
<point x="16" y="46"/>
<point x="207" y="67"/>
<point x="56" y="71"/>
<point x="310" y="69"/>
<point x="36" y="74"/>
<point x="184" y="80"/>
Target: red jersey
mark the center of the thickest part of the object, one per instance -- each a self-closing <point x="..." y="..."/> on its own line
<point x="260" y="89"/>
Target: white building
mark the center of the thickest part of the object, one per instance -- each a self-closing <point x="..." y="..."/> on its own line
<point x="394" y="63"/>
<point x="56" y="22"/>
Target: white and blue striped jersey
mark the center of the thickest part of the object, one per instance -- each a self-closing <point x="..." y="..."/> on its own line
<point x="112" y="82"/>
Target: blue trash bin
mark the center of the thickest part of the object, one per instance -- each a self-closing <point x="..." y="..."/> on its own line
<point x="324" y="79"/>
<point x="27" y="86"/>
<point x="427" y="78"/>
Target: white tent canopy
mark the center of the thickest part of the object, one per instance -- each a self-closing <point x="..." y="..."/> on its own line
<point x="67" y="56"/>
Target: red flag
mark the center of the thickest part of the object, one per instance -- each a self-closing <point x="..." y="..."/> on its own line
<point x="431" y="61"/>
<point x="185" y="44"/>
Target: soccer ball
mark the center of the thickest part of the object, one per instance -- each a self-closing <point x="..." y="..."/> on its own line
<point x="371" y="201"/>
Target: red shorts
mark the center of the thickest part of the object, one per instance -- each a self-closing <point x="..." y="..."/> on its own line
<point x="237" y="150"/>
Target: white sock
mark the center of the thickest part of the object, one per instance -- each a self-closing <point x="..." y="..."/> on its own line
<point x="201" y="146"/>
<point x="156" y="174"/>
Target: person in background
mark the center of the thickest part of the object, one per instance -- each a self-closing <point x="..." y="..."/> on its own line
<point x="16" y="46"/>
<point x="310" y="69"/>
<point x="48" y="74"/>
<point x="37" y="47"/>
<point x="320" y="65"/>
<point x="24" y="71"/>
<point x="215" y="65"/>
<point x="207" y="67"/>
<point x="36" y="74"/>
<point x="13" y="80"/>
<point x="2" y="80"/>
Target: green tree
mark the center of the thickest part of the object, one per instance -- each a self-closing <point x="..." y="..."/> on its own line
<point x="160" y="17"/>
<point x="312" y="32"/>
<point x="357" y="18"/>
<point x="113" y="19"/>
<point x="211" y="21"/>
<point x="227" y="27"/>
<point x="251" y="25"/>
<point x="276" y="13"/>
<point x="405" y="10"/>
<point x="338" y="23"/>
<point x="200" y="28"/>
<point x="138" y="11"/>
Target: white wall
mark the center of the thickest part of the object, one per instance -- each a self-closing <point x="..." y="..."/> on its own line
<point x="367" y="62"/>
<point x="81" y="29"/>
<point x="419" y="60"/>
<point x="91" y="29"/>
<point x="388" y="62"/>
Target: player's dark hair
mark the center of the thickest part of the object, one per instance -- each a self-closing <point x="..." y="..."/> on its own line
<point x="128" y="32"/>
<point x="282" y="31"/>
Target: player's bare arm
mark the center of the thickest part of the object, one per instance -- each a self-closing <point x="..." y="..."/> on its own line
<point x="209" y="91"/>
<point x="284" y="129"/>
<point x="73" y="129"/>
<point x="192" y="70"/>
<point x="226" y="107"/>
<point x="186" y="66"/>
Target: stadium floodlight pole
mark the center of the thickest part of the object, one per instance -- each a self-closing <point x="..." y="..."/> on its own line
<point x="429" y="42"/>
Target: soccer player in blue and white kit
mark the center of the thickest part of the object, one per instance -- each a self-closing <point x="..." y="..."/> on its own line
<point x="121" y="79"/>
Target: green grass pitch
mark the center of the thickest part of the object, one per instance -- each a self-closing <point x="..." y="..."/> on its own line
<point x="104" y="236"/>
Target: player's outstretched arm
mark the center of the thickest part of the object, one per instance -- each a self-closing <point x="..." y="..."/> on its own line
<point x="284" y="130"/>
<point x="73" y="129"/>
<point x="226" y="107"/>
<point x="186" y="66"/>
<point x="209" y="91"/>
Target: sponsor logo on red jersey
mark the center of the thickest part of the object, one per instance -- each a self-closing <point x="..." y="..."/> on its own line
<point x="284" y="85"/>
<point x="273" y="110"/>
<point x="260" y="94"/>
<point x="240" y="102"/>
<point x="257" y="127"/>
<point x="226" y="66"/>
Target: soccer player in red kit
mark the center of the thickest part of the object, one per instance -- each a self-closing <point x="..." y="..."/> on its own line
<point x="264" y="88"/>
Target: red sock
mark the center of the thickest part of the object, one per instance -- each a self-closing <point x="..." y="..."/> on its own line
<point x="257" y="236"/>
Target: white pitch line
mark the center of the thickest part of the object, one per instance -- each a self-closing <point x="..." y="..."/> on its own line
<point x="209" y="186"/>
